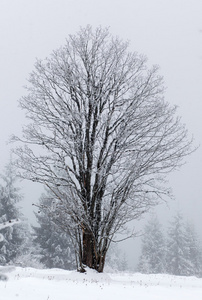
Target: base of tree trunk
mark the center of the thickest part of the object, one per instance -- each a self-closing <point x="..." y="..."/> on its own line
<point x="81" y="270"/>
<point x="90" y="256"/>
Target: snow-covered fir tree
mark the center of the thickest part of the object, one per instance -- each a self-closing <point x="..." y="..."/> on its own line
<point x="193" y="251"/>
<point x="124" y="263"/>
<point x="56" y="249"/>
<point x="152" y="259"/>
<point x="30" y="254"/>
<point x="116" y="259"/>
<point x="177" y="250"/>
<point x="14" y="238"/>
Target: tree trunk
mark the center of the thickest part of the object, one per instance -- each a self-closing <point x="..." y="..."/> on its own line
<point x="88" y="257"/>
<point x="101" y="264"/>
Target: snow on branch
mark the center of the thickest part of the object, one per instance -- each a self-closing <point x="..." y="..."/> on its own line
<point x="9" y="223"/>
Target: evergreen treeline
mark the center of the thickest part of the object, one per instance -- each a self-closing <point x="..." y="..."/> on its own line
<point x="178" y="252"/>
<point x="44" y="245"/>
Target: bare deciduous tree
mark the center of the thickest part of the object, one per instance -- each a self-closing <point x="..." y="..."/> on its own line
<point x="101" y="138"/>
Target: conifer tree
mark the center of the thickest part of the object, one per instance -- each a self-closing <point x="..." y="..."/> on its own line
<point x="193" y="251"/>
<point x="13" y="239"/>
<point x="116" y="258"/>
<point x="152" y="259"/>
<point x="177" y="251"/>
<point x="30" y="253"/>
<point x="56" y="250"/>
<point x="124" y="263"/>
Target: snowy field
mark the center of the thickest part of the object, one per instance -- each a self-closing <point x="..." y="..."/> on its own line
<point x="55" y="284"/>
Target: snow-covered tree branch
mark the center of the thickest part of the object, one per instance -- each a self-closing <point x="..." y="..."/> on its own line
<point x="9" y="223"/>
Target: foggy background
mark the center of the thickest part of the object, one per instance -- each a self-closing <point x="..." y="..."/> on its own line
<point x="168" y="32"/>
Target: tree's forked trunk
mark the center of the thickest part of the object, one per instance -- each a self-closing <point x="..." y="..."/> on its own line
<point x="90" y="258"/>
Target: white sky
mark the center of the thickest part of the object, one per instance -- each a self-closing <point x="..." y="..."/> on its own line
<point x="169" y="32"/>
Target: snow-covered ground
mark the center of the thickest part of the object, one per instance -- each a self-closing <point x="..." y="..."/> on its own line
<point x="55" y="284"/>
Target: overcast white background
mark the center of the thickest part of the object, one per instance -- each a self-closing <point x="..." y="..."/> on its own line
<point x="168" y="32"/>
